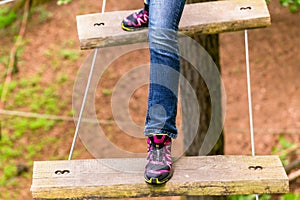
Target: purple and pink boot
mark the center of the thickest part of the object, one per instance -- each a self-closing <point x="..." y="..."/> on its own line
<point x="137" y="20"/>
<point x="158" y="169"/>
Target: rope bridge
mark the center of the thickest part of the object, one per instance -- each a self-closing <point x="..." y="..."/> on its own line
<point x="201" y="175"/>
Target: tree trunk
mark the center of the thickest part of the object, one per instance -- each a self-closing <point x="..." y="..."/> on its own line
<point x="194" y="142"/>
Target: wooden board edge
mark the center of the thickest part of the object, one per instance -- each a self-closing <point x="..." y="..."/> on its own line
<point x="277" y="187"/>
<point x="91" y="43"/>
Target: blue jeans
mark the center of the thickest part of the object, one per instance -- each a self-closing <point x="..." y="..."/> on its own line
<point x="164" y="17"/>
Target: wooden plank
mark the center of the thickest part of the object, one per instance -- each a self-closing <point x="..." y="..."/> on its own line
<point x="101" y="30"/>
<point x="120" y="178"/>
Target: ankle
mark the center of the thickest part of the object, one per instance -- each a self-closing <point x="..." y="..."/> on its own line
<point x="161" y="139"/>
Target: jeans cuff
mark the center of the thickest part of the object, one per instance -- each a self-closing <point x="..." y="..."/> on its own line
<point x="151" y="132"/>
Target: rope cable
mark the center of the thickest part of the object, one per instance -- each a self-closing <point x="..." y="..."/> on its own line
<point x="103" y="6"/>
<point x="249" y="94"/>
<point x="249" y="97"/>
<point x="85" y="94"/>
<point x="5" y="1"/>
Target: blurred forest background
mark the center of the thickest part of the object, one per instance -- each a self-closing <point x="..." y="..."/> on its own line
<point x="40" y="58"/>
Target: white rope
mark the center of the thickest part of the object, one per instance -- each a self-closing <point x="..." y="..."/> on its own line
<point x="249" y="97"/>
<point x="249" y="93"/>
<point x="85" y="94"/>
<point x="103" y="6"/>
<point x="5" y="1"/>
<point x="83" y="105"/>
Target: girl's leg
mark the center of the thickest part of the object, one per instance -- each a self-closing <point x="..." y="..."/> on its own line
<point x="164" y="17"/>
<point x="160" y="127"/>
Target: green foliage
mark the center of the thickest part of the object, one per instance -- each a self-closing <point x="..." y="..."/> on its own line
<point x="1" y="89"/>
<point x="13" y="149"/>
<point x="41" y="123"/>
<point x="7" y="17"/>
<point x="48" y="53"/>
<point x="293" y="5"/>
<point x="43" y="14"/>
<point x="9" y="171"/>
<point x="19" y="139"/>
<point x="71" y="113"/>
<point x="4" y="59"/>
<point x="62" y="2"/>
<point x="290" y="197"/>
<point x="70" y="54"/>
<point x="284" y="148"/>
<point x="10" y="87"/>
<point x="9" y="152"/>
<point x="107" y="92"/>
<point x="249" y="197"/>
<point x="62" y="78"/>
<point x="38" y="99"/>
<point x="20" y="126"/>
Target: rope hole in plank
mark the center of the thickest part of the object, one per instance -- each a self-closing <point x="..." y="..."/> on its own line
<point x="99" y="24"/>
<point x="62" y="172"/>
<point x="258" y="168"/>
<point x="246" y="8"/>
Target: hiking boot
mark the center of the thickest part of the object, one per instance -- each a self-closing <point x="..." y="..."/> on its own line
<point x="158" y="169"/>
<point x="137" y="20"/>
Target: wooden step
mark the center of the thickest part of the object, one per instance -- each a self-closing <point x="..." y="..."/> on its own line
<point x="120" y="178"/>
<point x="101" y="30"/>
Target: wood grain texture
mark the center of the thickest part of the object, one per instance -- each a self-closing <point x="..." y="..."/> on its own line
<point x="120" y="178"/>
<point x="101" y="30"/>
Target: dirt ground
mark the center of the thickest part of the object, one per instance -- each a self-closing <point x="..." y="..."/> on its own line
<point x="275" y="71"/>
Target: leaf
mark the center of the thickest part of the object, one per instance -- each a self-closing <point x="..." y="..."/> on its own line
<point x="284" y="143"/>
<point x="290" y="196"/>
<point x="7" y="17"/>
<point x="106" y="92"/>
<point x="10" y="170"/>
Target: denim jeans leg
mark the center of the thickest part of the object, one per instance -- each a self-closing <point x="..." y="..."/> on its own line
<point x="164" y="17"/>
